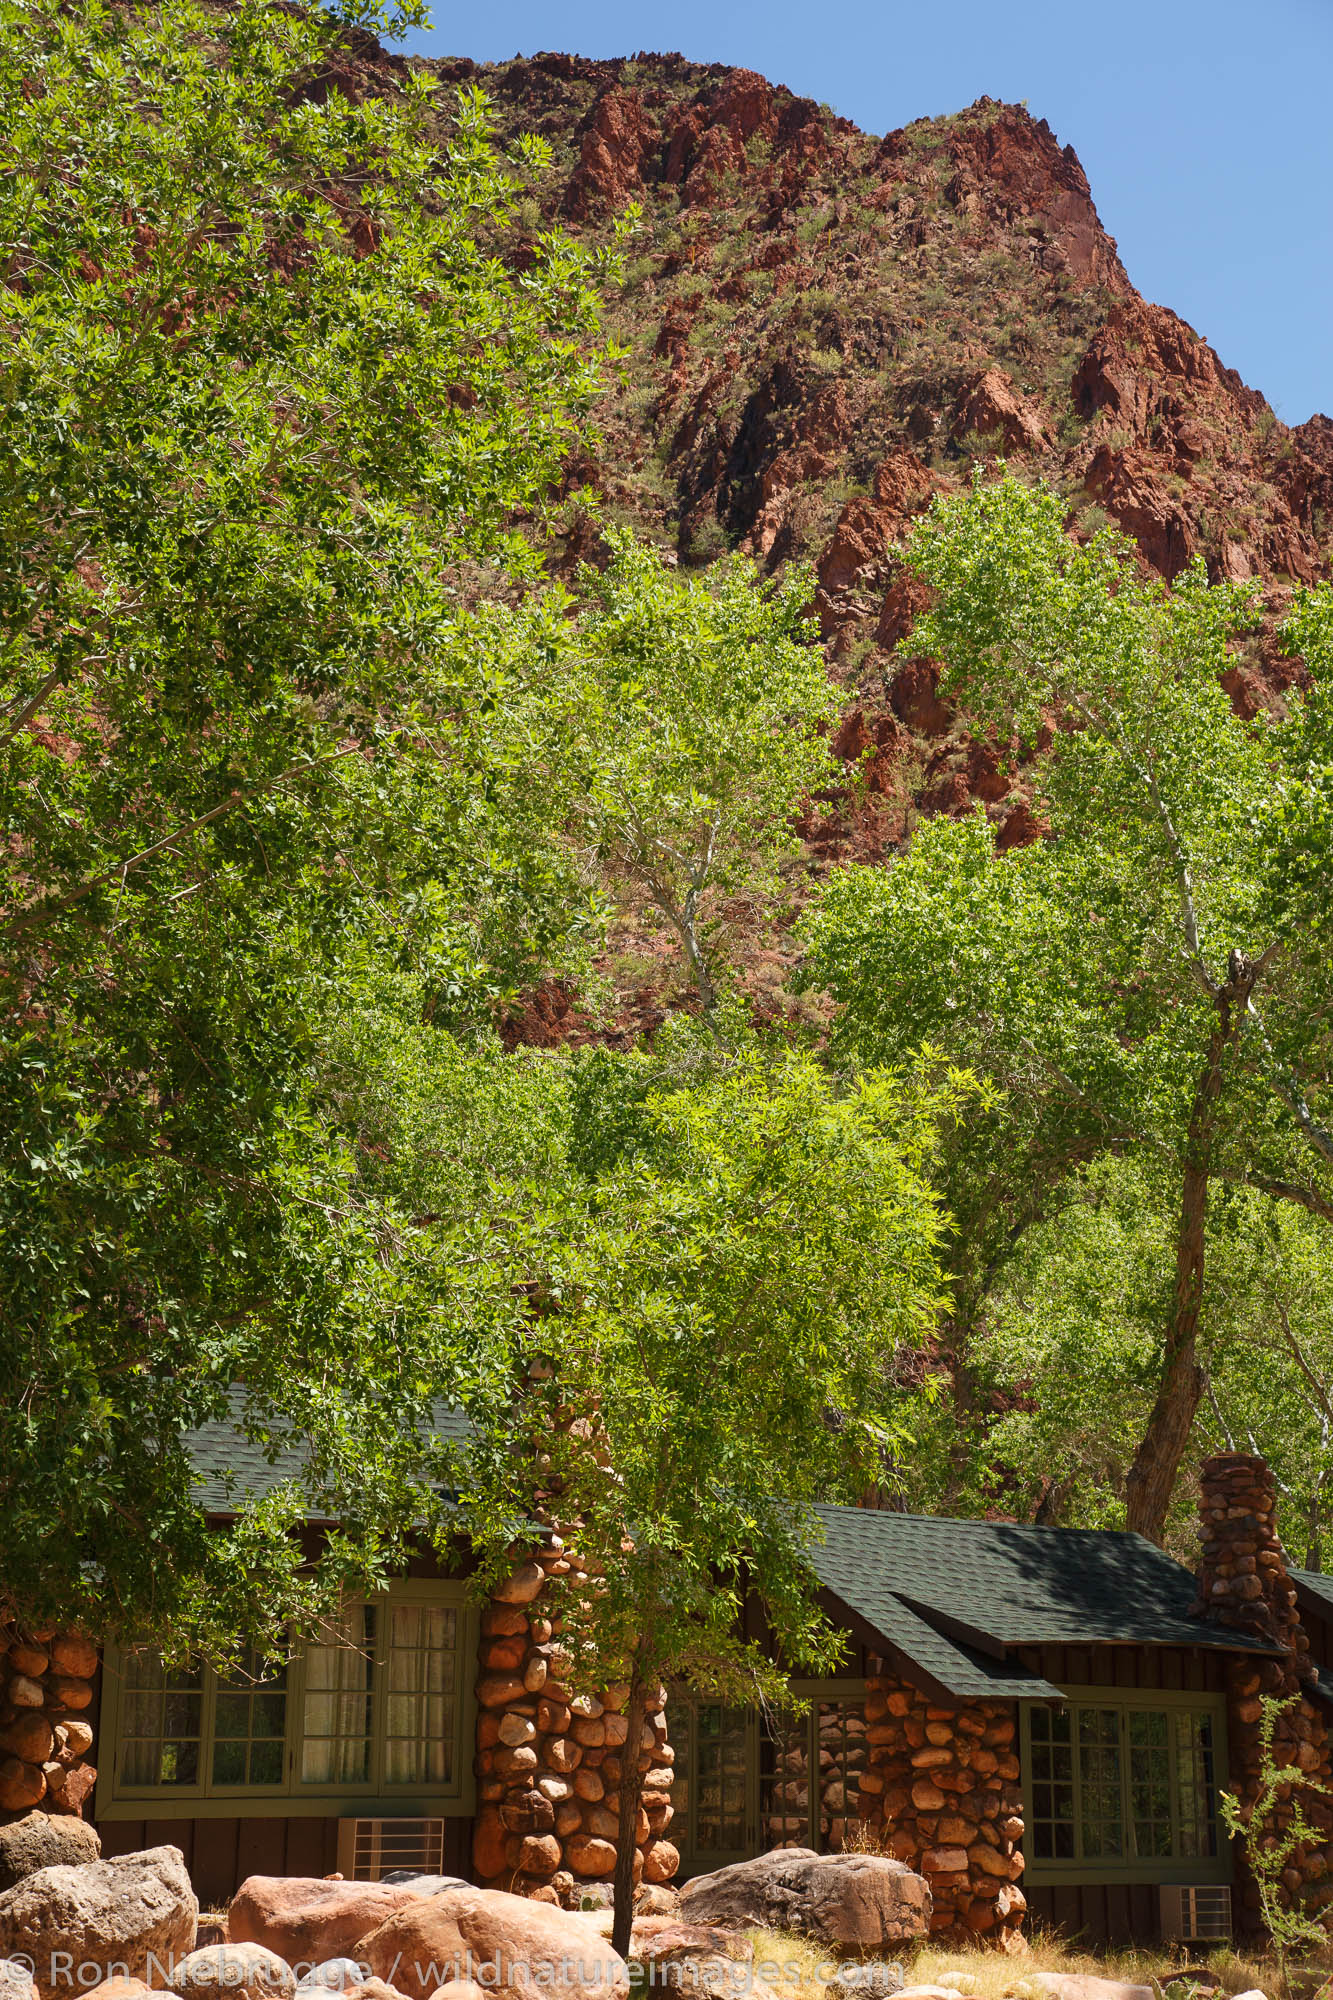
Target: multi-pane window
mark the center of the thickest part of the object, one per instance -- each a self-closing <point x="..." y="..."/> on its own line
<point x="337" y="1701"/>
<point x="711" y="1779"/>
<point x="250" y="1726"/>
<point x="374" y="1708"/>
<point x="1117" y="1785"/>
<point x="422" y="1676"/>
<point x="810" y="1775"/>
<point x="162" y="1721"/>
<point x="746" y="1781"/>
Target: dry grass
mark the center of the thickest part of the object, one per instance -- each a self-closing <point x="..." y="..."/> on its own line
<point x="803" y="1969"/>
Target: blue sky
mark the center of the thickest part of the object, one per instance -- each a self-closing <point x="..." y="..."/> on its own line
<point x="1206" y="130"/>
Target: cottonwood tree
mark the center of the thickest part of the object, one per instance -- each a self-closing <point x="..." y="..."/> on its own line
<point x="1065" y="1359"/>
<point x="688" y="727"/>
<point x="1149" y="976"/>
<point x="263" y="394"/>
<point x="711" y="1350"/>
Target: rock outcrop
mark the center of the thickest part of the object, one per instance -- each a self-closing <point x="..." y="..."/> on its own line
<point x="130" y="1912"/>
<point x="822" y="329"/>
<point x="506" y="1944"/>
<point x="854" y="1902"/>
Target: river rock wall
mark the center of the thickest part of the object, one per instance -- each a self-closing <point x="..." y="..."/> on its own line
<point x="941" y="1791"/>
<point x="46" y="1687"/>
<point x="549" y="1761"/>
<point x="1244" y="1582"/>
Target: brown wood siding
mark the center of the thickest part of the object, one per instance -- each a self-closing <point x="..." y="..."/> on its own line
<point x="1320" y="1637"/>
<point x="220" y="1853"/>
<point x="1201" y="1670"/>
<point x="1096" y="1913"/>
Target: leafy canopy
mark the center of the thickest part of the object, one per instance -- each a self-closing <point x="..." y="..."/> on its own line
<point x="1141" y="979"/>
<point x="717" y="1326"/>
<point x="265" y="409"/>
<point x="689" y="714"/>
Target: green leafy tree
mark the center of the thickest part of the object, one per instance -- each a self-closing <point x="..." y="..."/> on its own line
<point x="266" y="408"/>
<point x="716" y="1330"/>
<point x="1269" y="1358"/>
<point x="1274" y="1829"/>
<point x="1145" y="980"/>
<point x="688" y="722"/>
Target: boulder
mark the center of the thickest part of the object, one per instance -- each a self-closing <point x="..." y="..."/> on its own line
<point x="873" y="1980"/>
<point x="655" y="1899"/>
<point x="693" y="1958"/>
<point x="861" y="1901"/>
<point x="117" y="1988"/>
<point x="308" y="1921"/>
<point x="505" y="1943"/>
<point x="44" y="1840"/>
<point x="104" y="1913"/>
<point x="335" y="1975"/>
<point x="234" y="1972"/>
<point x="423" y="1885"/>
<point x="461" y="1989"/>
<point x="1084" y="1986"/>
<point x="16" y="1981"/>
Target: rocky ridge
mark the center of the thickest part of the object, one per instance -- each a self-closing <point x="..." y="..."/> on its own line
<point x="823" y="328"/>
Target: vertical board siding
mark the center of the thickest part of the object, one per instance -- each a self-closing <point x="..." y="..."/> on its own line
<point x="1094" y="1913"/>
<point x="220" y="1853"/>
<point x="1195" y="1669"/>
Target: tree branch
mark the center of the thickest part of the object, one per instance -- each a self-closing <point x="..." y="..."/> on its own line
<point x="31" y="706"/>
<point x="36" y="912"/>
<point x="1302" y="1362"/>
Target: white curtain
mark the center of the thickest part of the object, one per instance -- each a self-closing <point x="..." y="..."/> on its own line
<point x="420" y="1698"/>
<point x="335" y="1746"/>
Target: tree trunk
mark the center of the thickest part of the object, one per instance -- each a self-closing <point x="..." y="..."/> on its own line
<point x="631" y="1794"/>
<point x="683" y="922"/>
<point x="1152" y="1476"/>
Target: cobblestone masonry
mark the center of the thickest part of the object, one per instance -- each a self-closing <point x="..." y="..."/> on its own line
<point x="46" y="1685"/>
<point x="1244" y="1583"/>
<point x="549" y="1762"/>
<point x="941" y="1788"/>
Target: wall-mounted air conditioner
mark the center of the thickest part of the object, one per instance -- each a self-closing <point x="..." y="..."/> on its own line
<point x="1193" y="1914"/>
<point x="368" y="1849"/>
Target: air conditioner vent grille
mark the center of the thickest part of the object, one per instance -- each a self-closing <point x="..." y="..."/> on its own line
<point x="368" y="1849"/>
<point x="1195" y="1912"/>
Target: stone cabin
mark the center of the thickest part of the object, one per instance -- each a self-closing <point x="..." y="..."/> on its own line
<point x="1038" y="1719"/>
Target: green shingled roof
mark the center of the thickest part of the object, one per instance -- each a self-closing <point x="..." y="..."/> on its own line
<point x="232" y="1468"/>
<point x="955" y="1596"/>
<point x="1317" y="1588"/>
<point x="949" y="1597"/>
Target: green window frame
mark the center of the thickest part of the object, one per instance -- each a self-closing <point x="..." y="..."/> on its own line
<point x="376" y="1716"/>
<point x="742" y="1778"/>
<point x="1122" y="1785"/>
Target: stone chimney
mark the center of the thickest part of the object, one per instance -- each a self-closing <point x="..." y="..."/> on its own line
<point x="1243" y="1578"/>
<point x="1244" y="1583"/>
